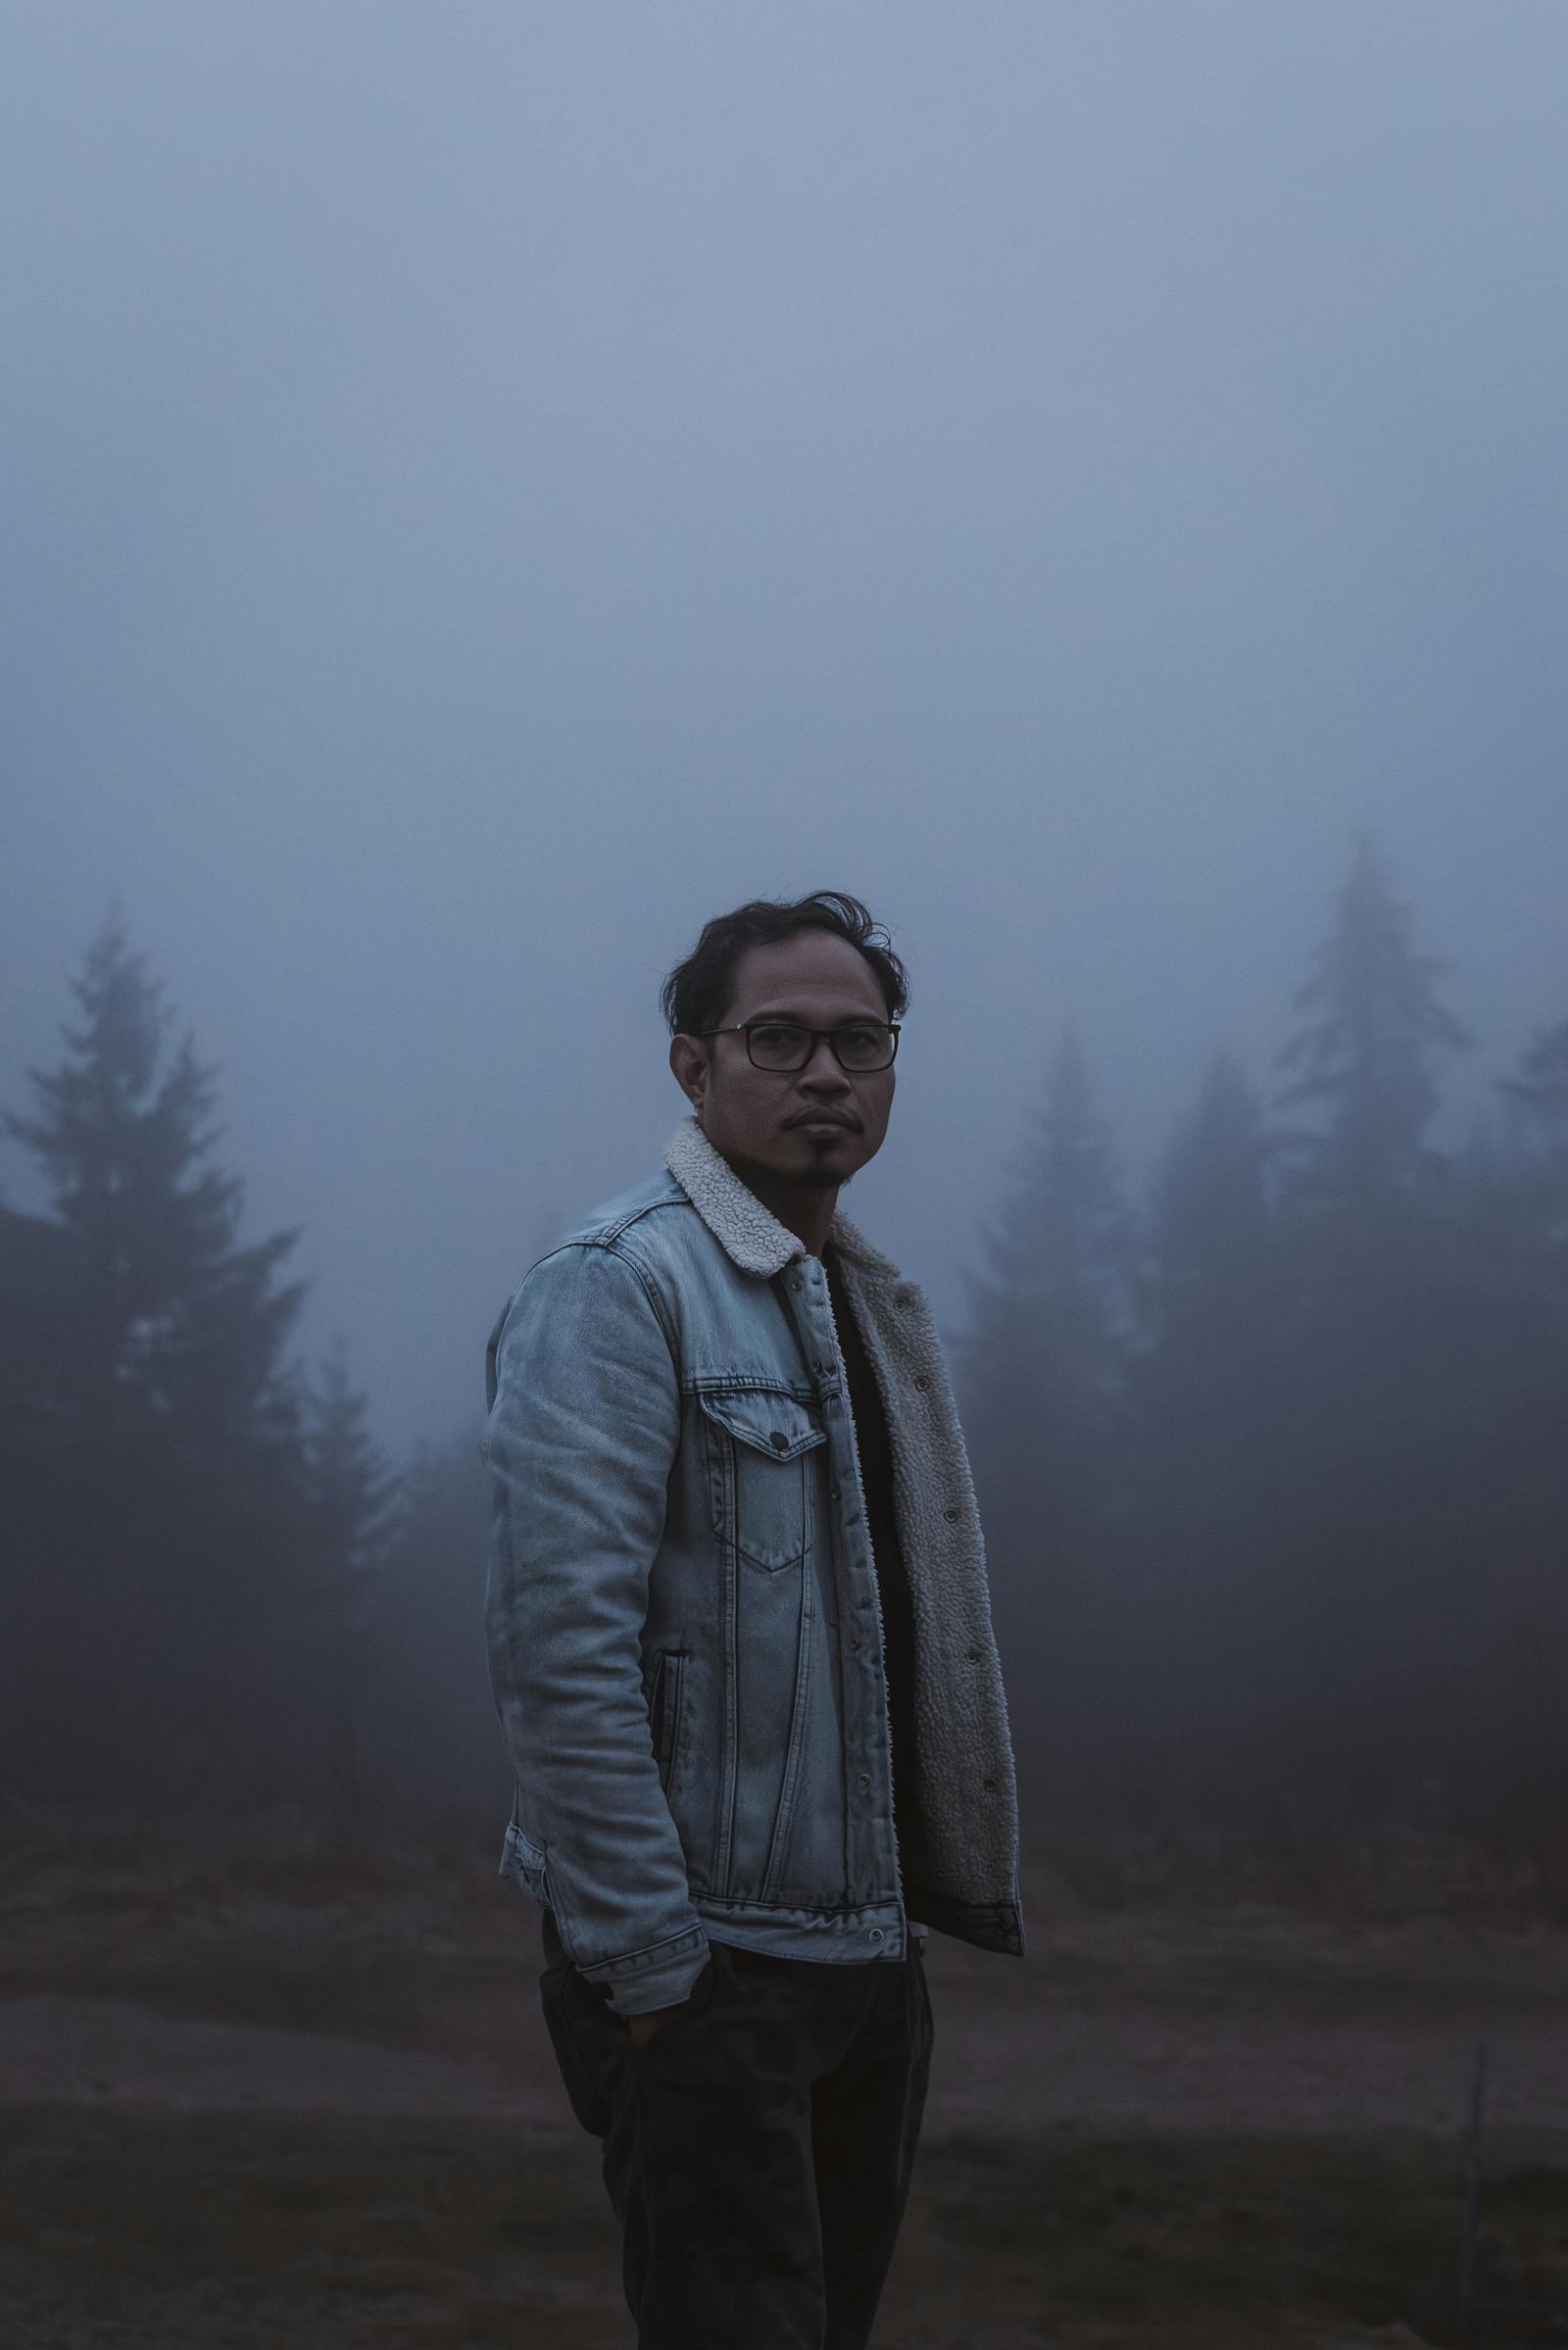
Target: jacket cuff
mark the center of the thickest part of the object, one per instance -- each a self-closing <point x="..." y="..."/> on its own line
<point x="661" y="1977"/>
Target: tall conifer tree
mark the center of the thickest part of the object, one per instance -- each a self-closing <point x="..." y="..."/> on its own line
<point x="1364" y="1063"/>
<point x="175" y="1529"/>
<point x="181" y="1326"/>
<point x="1392" y="1476"/>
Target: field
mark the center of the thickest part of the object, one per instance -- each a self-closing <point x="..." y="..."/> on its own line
<point x="292" y="2087"/>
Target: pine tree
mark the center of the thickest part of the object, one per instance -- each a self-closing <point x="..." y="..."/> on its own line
<point x="180" y="1326"/>
<point x="1061" y="1240"/>
<point x="1401" y="1381"/>
<point x="1365" y="1060"/>
<point x="174" y="1471"/>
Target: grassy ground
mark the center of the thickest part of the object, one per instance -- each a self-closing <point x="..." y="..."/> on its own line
<point x="217" y="2232"/>
<point x="284" y="2087"/>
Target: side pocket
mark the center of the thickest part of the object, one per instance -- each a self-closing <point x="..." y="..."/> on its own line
<point x="669" y="1683"/>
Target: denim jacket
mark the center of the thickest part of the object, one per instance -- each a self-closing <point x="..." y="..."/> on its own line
<point x="682" y="1614"/>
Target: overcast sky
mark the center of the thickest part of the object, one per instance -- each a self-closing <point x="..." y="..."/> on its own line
<point x="489" y="485"/>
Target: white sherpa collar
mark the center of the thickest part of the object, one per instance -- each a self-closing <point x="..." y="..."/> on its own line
<point x="750" y="1237"/>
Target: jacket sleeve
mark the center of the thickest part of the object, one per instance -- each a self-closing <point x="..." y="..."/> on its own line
<point x="582" y="1432"/>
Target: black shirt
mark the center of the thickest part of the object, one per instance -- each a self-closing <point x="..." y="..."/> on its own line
<point x="875" y="1449"/>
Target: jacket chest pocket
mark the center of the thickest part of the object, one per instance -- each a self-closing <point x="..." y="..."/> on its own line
<point x="761" y="1472"/>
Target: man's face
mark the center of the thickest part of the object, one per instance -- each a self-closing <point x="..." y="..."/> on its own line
<point x="812" y="1126"/>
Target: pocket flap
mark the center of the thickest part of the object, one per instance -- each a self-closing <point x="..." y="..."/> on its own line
<point x="769" y="1423"/>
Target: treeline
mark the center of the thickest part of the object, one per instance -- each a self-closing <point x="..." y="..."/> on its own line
<point x="211" y="1582"/>
<point x="1274" y="1462"/>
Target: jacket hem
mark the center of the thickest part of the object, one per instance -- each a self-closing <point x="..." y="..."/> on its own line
<point x="985" y="1925"/>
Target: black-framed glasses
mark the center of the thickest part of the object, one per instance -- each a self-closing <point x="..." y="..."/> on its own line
<point x="859" y="1047"/>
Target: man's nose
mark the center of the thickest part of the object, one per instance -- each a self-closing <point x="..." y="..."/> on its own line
<point x="822" y="1070"/>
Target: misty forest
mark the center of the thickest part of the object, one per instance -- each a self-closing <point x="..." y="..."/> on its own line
<point x="488" y="489"/>
<point x="1270" y="1449"/>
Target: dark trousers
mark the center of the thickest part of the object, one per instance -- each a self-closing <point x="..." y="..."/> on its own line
<point x="757" y="2148"/>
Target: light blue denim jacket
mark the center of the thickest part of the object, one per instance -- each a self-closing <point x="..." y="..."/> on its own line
<point x="684" y="1634"/>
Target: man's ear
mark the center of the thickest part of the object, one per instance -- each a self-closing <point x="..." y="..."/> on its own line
<point x="689" y="1063"/>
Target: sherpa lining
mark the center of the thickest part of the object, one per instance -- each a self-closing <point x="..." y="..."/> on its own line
<point x="752" y="1236"/>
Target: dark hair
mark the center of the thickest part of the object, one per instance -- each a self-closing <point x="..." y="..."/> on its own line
<point x="697" y="993"/>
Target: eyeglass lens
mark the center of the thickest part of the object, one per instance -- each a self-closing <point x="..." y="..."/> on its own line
<point x="781" y="1044"/>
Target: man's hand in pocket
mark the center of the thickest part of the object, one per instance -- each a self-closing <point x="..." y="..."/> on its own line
<point x="652" y="2020"/>
<point x="644" y="2026"/>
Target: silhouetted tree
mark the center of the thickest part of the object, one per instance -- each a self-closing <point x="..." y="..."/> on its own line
<point x="171" y="1489"/>
<point x="1365" y="1060"/>
<point x="180" y="1325"/>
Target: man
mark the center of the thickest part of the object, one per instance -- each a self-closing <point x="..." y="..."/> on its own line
<point x="741" y="1645"/>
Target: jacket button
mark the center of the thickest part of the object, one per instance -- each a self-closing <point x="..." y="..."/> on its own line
<point x="779" y="1440"/>
<point x="864" y="1780"/>
<point x="990" y="1785"/>
<point x="876" y="1935"/>
<point x="951" y="1516"/>
<point x="922" y="1383"/>
<point x="855" y="1646"/>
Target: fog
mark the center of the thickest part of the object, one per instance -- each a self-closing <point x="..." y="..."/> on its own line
<point x="488" y="487"/>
